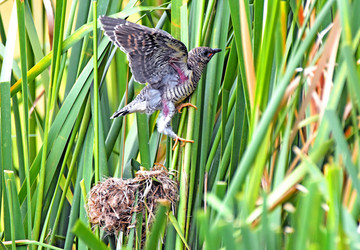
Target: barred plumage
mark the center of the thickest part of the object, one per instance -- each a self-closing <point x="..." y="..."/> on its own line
<point x="163" y="62"/>
<point x="180" y="92"/>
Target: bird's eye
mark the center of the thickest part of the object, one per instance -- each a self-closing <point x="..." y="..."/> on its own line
<point x="209" y="54"/>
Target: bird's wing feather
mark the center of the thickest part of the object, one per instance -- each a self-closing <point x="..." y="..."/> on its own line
<point x="149" y="50"/>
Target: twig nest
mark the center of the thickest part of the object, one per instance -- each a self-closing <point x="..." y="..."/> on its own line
<point x="112" y="203"/>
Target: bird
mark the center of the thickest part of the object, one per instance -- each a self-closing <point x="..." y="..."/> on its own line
<point x="164" y="63"/>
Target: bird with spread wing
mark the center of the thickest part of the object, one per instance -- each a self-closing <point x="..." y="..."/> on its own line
<point x="157" y="58"/>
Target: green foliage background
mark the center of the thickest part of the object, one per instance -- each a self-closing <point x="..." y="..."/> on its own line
<point x="276" y="155"/>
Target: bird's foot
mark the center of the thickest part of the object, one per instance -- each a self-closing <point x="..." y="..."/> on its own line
<point x="183" y="105"/>
<point x="159" y="166"/>
<point x="177" y="139"/>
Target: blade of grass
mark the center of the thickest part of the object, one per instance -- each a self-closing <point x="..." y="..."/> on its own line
<point x="87" y="236"/>
<point x="292" y="179"/>
<point x="280" y="170"/>
<point x="6" y="149"/>
<point x="334" y="179"/>
<point x="82" y="117"/>
<point x="24" y="87"/>
<point x="270" y="111"/>
<point x="81" y="19"/>
<point x="266" y="56"/>
<point x="195" y="27"/>
<point x="10" y="198"/>
<point x="343" y="148"/>
<point x="178" y="229"/>
<point x="235" y="19"/>
<point x="308" y="208"/>
<point x="185" y="170"/>
<point x="32" y="96"/>
<point x="143" y="137"/>
<point x="76" y="209"/>
<point x="239" y="122"/>
<point x="17" y="226"/>
<point x="213" y="79"/>
<point x="248" y="54"/>
<point x="5" y="118"/>
<point x="78" y="147"/>
<point x="64" y="122"/>
<point x="35" y="44"/>
<point x="353" y="77"/>
<point x="58" y="39"/>
<point x="258" y="28"/>
<point x="96" y="93"/>
<point x="229" y="78"/>
<point x="158" y="225"/>
<point x="30" y="243"/>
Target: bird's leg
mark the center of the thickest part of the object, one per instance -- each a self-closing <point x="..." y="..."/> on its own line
<point x="177" y="139"/>
<point x="183" y="105"/>
<point x="159" y="166"/>
<point x="164" y="120"/>
<point x="183" y="77"/>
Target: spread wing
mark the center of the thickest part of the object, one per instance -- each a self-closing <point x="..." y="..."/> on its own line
<point x="149" y="50"/>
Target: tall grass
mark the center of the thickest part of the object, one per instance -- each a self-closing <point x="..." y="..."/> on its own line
<point x="275" y="160"/>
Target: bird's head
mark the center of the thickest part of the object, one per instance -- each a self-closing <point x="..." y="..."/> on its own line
<point x="204" y="54"/>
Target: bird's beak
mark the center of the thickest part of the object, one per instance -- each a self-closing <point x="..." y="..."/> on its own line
<point x="216" y="50"/>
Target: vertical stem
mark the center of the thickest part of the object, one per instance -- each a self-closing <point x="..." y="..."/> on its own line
<point x="185" y="169"/>
<point x="11" y="211"/>
<point x="192" y="130"/>
<point x="124" y="126"/>
<point x="78" y="147"/>
<point x="82" y="118"/>
<point x="25" y="127"/>
<point x="96" y="93"/>
<point x="248" y="54"/>
<point x="58" y="38"/>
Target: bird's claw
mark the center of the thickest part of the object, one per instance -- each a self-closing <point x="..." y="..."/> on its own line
<point x="159" y="166"/>
<point x="177" y="139"/>
<point x="183" y="105"/>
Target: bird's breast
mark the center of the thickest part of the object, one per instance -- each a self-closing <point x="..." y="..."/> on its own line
<point x="179" y="92"/>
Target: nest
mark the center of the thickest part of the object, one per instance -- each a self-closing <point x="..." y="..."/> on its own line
<point x="112" y="203"/>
